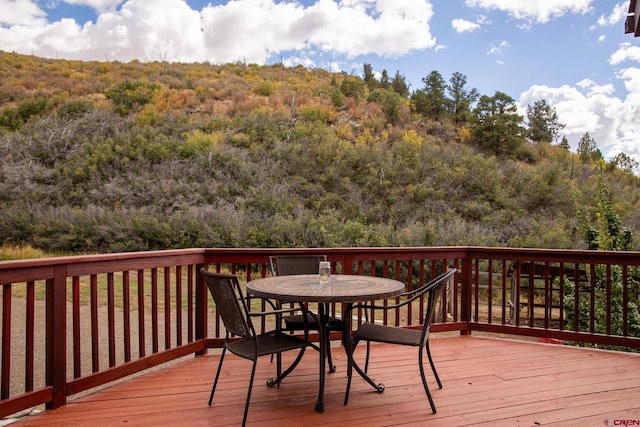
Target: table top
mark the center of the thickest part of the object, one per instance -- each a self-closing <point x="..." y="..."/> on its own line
<point x="341" y="288"/>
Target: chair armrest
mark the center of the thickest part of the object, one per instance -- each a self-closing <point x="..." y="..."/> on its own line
<point x="409" y="295"/>
<point x="417" y="293"/>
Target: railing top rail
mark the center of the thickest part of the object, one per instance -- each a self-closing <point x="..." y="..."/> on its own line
<point x="554" y="255"/>
<point x="99" y="258"/>
<point x="177" y="256"/>
<point x="44" y="268"/>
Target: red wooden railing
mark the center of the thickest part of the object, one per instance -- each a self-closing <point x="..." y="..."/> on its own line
<point x="71" y="324"/>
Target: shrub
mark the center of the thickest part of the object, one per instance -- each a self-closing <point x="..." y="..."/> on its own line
<point x="129" y="95"/>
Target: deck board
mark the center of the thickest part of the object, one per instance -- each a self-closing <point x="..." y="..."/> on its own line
<point x="487" y="381"/>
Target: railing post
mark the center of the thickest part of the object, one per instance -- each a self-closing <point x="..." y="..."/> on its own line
<point x="201" y="307"/>
<point x="56" y="341"/>
<point x="465" y="294"/>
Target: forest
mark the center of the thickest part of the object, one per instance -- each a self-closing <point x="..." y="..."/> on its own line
<point x="100" y="157"/>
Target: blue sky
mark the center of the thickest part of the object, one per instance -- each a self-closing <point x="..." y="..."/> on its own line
<point x="572" y="53"/>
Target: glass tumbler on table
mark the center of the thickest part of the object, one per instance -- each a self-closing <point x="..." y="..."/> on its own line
<point x="325" y="271"/>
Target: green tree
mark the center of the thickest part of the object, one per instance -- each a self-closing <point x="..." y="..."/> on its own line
<point x="399" y="85"/>
<point x="497" y="124"/>
<point x="431" y="101"/>
<point x="385" y="82"/>
<point x="588" y="149"/>
<point x="564" y="144"/>
<point x="543" y="122"/>
<point x="461" y="99"/>
<point x="353" y="87"/>
<point x="390" y="103"/>
<point x="369" y="77"/>
<point x="606" y="232"/>
<point x="623" y="162"/>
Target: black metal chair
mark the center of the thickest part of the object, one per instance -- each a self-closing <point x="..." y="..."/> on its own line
<point x="372" y="332"/>
<point x="232" y="308"/>
<point x="286" y="265"/>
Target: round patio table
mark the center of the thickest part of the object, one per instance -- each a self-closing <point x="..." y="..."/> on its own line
<point x="341" y="288"/>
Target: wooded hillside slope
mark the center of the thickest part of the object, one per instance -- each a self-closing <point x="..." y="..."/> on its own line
<point x="109" y="157"/>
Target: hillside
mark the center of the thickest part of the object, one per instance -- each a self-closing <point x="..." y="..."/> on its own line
<point x="107" y="156"/>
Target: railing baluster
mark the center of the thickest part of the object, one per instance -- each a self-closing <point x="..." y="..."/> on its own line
<point x="608" y="304"/>
<point x="178" y="304"/>
<point x="490" y="292"/>
<point x="531" y="295"/>
<point x="126" y="313"/>
<point x="77" y="339"/>
<point x="476" y="289"/>
<point x="625" y="301"/>
<point x="503" y="283"/>
<point x="154" y="310"/>
<point x="141" y="320"/>
<point x="30" y="340"/>
<point x="592" y="306"/>
<point x="190" y="306"/>
<point x="6" y="341"/>
<point x="167" y="308"/>
<point x="561" y="317"/>
<point x="95" y="334"/>
<point x="111" y="319"/>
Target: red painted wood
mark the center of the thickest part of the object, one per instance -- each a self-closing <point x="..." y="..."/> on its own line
<point x="473" y="309"/>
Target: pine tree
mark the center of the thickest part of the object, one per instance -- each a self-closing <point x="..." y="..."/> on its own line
<point x="543" y="122"/>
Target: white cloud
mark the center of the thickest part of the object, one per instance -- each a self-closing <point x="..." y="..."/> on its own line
<point x="626" y="52"/>
<point x="21" y="12"/>
<point x="462" y="25"/>
<point x="97" y="5"/>
<point x="249" y="30"/>
<point x="631" y="77"/>
<point x="594" y="88"/>
<point x="611" y="121"/>
<point x="618" y="14"/>
<point x="499" y="48"/>
<point x="539" y="11"/>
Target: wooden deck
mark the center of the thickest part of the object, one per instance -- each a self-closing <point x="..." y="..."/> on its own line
<point x="487" y="381"/>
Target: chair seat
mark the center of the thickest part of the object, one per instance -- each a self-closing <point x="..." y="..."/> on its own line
<point x="295" y="322"/>
<point x="388" y="334"/>
<point x="268" y="343"/>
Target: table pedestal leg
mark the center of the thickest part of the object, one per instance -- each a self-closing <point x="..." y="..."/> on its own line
<point x="322" y="321"/>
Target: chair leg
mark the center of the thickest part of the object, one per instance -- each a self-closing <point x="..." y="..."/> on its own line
<point x="215" y="382"/>
<point x="424" y="379"/>
<point x="433" y="366"/>
<point x="246" y="405"/>
<point x="366" y="360"/>
<point x="278" y="367"/>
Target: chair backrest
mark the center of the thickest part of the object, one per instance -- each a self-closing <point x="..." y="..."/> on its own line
<point x="286" y="265"/>
<point x="433" y="289"/>
<point x="230" y="303"/>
